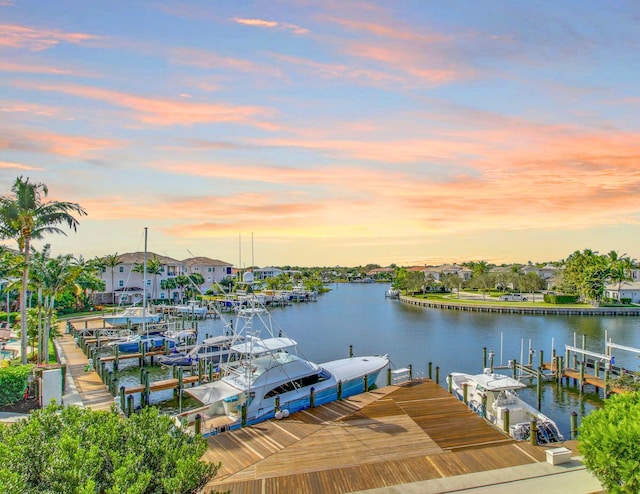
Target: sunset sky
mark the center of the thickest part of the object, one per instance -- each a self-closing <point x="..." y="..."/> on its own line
<point x="335" y="132"/>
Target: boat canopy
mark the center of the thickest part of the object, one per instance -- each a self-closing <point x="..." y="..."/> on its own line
<point x="497" y="382"/>
<point x="218" y="340"/>
<point x="257" y="346"/>
<point x="211" y="392"/>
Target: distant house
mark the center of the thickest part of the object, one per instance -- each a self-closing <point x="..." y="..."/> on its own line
<point x="268" y="272"/>
<point x="627" y="290"/>
<point x="128" y="287"/>
<point x="212" y="270"/>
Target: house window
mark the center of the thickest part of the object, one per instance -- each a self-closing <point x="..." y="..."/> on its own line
<point x="120" y="283"/>
<point x="210" y="269"/>
<point x="148" y="282"/>
<point x="162" y="295"/>
<point x="229" y="270"/>
<point x="121" y="268"/>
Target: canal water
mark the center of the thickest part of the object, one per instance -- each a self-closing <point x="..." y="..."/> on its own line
<point x="361" y="316"/>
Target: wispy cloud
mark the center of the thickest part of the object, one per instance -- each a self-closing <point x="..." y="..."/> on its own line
<point x="14" y="36"/>
<point x="209" y="60"/>
<point x="158" y="111"/>
<point x="50" y="142"/>
<point x="8" y="165"/>
<point x="272" y="25"/>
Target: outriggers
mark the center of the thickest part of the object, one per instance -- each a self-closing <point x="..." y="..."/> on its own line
<point x="263" y="377"/>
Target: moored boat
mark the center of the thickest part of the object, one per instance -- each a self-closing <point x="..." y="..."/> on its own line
<point x="264" y="378"/>
<point x="133" y="316"/>
<point x="494" y="397"/>
<point x="214" y="349"/>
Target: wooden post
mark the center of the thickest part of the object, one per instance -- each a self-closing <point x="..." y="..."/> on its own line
<point x="389" y="376"/>
<point x="541" y="354"/>
<point x="539" y="387"/>
<point x="506" y="421"/>
<point x="198" y="424"/>
<point x="116" y="354"/>
<point x="533" y="437"/>
<point x="514" y="370"/>
<point x="312" y="397"/>
<point x="146" y="388"/>
<point x="484" y="359"/>
<point x="210" y="371"/>
<point x="437" y="374"/>
<point x="410" y="367"/>
<point x="581" y="376"/>
<point x="558" y="370"/>
<point x="350" y="351"/>
<point x="465" y="393"/>
<point x="430" y="367"/>
<point x="179" y="390"/>
<point x="574" y="425"/>
<point x="129" y="405"/>
<point x="339" y="390"/>
<point x="450" y="383"/>
<point x="123" y="403"/>
<point x="114" y="386"/>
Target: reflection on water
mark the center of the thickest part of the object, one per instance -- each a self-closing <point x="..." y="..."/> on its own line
<point x="360" y="315"/>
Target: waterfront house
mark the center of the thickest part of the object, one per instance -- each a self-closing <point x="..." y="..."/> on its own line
<point x="125" y="286"/>
<point x="212" y="270"/>
<point x="627" y="290"/>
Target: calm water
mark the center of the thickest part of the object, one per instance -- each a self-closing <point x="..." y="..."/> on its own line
<point x="360" y="315"/>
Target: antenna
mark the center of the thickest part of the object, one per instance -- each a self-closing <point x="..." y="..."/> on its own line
<point x="253" y="265"/>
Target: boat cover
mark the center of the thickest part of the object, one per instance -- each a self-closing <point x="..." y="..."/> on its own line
<point x="218" y="340"/>
<point x="497" y="382"/>
<point x="211" y="392"/>
<point x="257" y="346"/>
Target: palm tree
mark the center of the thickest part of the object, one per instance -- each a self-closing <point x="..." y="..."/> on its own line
<point x="23" y="217"/>
<point x="111" y="261"/>
<point x="154" y="267"/>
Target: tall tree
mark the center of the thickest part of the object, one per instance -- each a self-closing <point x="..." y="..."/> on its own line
<point x="24" y="216"/>
<point x="112" y="261"/>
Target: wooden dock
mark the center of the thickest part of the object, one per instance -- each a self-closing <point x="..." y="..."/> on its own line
<point x="390" y="436"/>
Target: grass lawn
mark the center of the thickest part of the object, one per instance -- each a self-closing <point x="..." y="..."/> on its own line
<point x="490" y="300"/>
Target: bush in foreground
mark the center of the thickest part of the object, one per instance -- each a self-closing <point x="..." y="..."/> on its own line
<point x="609" y="439"/>
<point x="75" y="450"/>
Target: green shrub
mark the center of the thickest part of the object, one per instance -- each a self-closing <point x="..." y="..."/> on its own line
<point x="554" y="298"/>
<point x="75" y="450"/>
<point x="609" y="439"/>
<point x="626" y="301"/>
<point x="13" y="383"/>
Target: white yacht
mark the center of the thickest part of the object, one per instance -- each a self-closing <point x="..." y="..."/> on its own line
<point x="264" y="378"/>
<point x="500" y="393"/>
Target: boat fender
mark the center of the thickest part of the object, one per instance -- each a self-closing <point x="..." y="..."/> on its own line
<point x="279" y="414"/>
<point x="285" y="413"/>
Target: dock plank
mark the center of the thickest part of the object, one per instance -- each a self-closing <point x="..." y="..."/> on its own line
<point x="399" y="435"/>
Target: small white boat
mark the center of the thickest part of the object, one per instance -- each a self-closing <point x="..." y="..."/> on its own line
<point x="500" y="393"/>
<point x="132" y="316"/>
<point x="214" y="349"/>
<point x="263" y="378"/>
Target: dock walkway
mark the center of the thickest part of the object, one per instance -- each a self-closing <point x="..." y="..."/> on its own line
<point x="392" y="436"/>
<point x="83" y="388"/>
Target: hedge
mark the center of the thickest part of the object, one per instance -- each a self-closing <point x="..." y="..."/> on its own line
<point x="552" y="298"/>
<point x="13" y="383"/>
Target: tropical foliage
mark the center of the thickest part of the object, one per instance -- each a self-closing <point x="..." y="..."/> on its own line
<point x="75" y="450"/>
<point x="609" y="439"/>
<point x="24" y="216"/>
<point x="13" y="383"/>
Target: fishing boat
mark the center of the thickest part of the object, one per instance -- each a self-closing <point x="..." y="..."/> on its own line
<point x="264" y="378"/>
<point x="132" y="316"/>
<point x="491" y="395"/>
<point x="214" y="349"/>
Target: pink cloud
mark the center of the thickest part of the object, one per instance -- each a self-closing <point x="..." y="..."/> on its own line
<point x="32" y="69"/>
<point x="271" y="24"/>
<point x="210" y="60"/>
<point x="14" y="36"/>
<point x="8" y="165"/>
<point x="60" y="144"/>
<point x="165" y="111"/>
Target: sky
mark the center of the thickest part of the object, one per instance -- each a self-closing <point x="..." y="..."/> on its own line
<point x="334" y="132"/>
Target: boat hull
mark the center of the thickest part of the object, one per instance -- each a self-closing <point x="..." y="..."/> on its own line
<point x="497" y="403"/>
<point x="355" y="375"/>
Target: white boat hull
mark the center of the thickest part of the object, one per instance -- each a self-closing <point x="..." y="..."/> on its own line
<point x="492" y="397"/>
